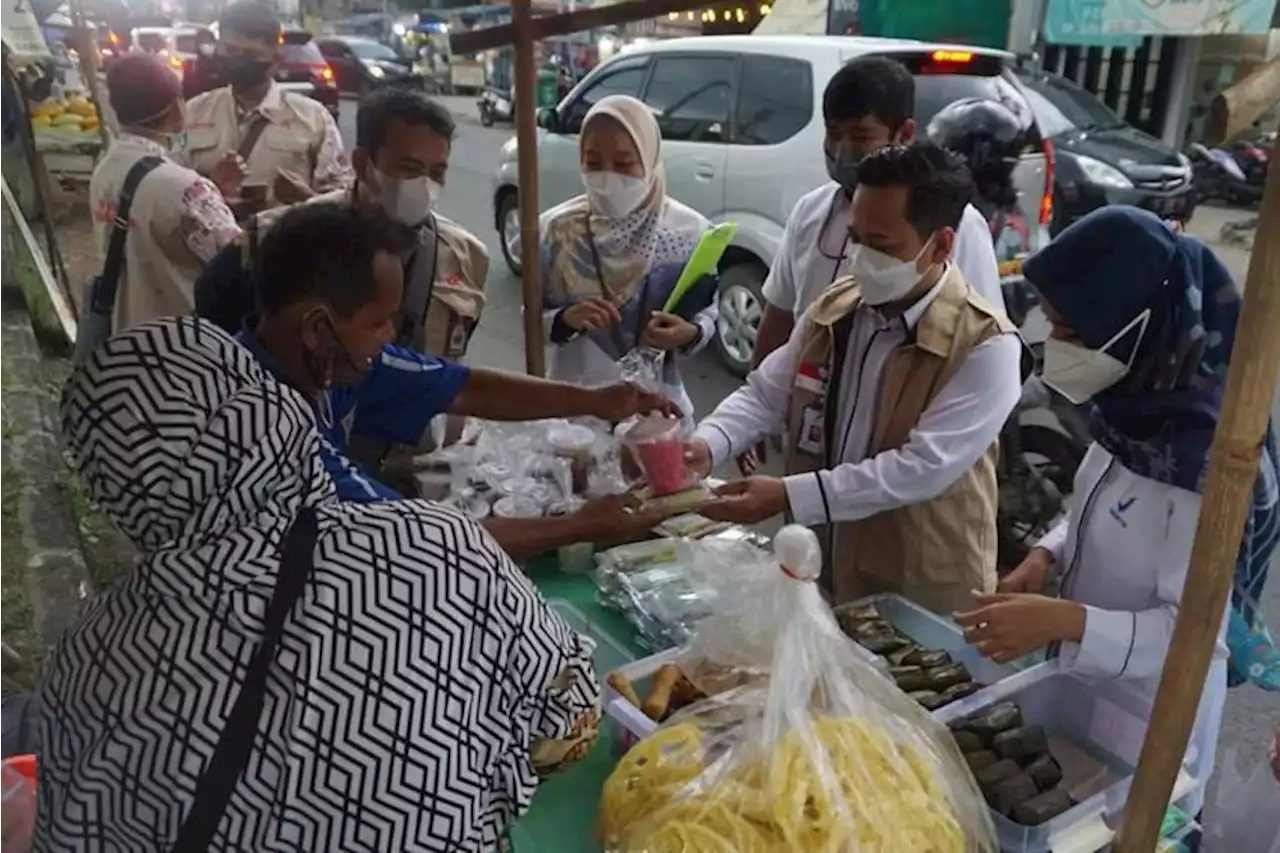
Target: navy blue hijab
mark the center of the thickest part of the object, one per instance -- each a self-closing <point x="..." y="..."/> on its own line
<point x="1101" y="273"/>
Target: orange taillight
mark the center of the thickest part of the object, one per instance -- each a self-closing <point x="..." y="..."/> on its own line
<point x="326" y="74"/>
<point x="1046" y="200"/>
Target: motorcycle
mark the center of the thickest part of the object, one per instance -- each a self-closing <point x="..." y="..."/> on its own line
<point x="1253" y="157"/>
<point x="495" y="104"/>
<point x="1217" y="174"/>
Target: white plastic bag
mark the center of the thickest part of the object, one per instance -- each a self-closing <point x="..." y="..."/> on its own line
<point x="799" y="746"/>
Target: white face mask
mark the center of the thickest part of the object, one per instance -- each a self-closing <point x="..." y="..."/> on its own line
<point x="407" y="200"/>
<point x="614" y="195"/>
<point x="1079" y="373"/>
<point x="883" y="278"/>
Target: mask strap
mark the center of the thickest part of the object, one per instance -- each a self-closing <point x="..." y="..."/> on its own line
<point x="1142" y="320"/>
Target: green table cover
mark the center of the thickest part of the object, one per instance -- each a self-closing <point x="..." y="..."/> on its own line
<point x="562" y="817"/>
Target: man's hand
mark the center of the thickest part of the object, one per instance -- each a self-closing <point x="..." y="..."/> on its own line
<point x="617" y="402"/>
<point x="591" y="315"/>
<point x="669" y="332"/>
<point x="747" y="501"/>
<point x="1008" y="626"/>
<point x="616" y="519"/>
<point x="697" y="455"/>
<point x="1030" y="575"/>
<point x="290" y="187"/>
<point x="229" y="173"/>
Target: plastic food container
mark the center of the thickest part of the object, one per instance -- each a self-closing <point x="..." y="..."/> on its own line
<point x="1095" y="730"/>
<point x="577" y="558"/>
<point x="932" y="631"/>
<point x="609" y="654"/>
<point x="631" y="720"/>
<point x="657" y="446"/>
<point x="517" y="506"/>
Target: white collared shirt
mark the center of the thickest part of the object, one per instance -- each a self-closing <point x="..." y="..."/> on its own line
<point x="1122" y="551"/>
<point x="957" y="427"/>
<point x="815" y="252"/>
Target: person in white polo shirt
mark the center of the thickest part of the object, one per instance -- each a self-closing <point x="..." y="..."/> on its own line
<point x="867" y="105"/>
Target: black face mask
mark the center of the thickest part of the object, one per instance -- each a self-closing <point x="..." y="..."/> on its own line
<point x="842" y="166"/>
<point x="244" y="72"/>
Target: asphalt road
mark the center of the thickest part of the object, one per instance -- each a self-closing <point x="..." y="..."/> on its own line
<point x="1251" y="714"/>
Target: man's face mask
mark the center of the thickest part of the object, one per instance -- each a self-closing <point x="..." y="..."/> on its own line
<point x="1079" y="373"/>
<point x="883" y="278"/>
<point x="245" y="72"/>
<point x="407" y="200"/>
<point x="333" y="364"/>
<point x="842" y="166"/>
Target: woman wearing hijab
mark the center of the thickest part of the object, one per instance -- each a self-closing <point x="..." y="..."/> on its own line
<point x="1143" y="322"/>
<point x="409" y="683"/>
<point x="611" y="257"/>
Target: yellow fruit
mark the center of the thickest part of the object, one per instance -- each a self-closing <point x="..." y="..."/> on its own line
<point x="67" y="120"/>
<point x="80" y="107"/>
<point x="40" y="121"/>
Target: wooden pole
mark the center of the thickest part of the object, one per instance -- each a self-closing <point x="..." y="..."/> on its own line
<point x="1236" y="108"/>
<point x="527" y="153"/>
<point x="1227" y="497"/>
<point x="87" y="50"/>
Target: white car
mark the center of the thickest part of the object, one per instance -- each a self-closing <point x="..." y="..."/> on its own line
<point x="742" y="131"/>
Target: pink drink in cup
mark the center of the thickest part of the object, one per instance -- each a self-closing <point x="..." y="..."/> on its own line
<point x="656" y="444"/>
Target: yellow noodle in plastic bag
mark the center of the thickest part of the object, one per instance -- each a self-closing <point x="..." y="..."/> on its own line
<point x="870" y="794"/>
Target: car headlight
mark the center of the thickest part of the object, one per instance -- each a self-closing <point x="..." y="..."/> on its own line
<point x="1097" y="172"/>
<point x="377" y="71"/>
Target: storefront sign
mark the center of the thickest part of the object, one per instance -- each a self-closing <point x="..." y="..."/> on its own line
<point x="21" y="31"/>
<point x="842" y="18"/>
<point x="1102" y="21"/>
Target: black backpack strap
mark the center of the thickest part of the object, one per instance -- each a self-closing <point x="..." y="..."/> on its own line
<point x="104" y="296"/>
<point x="251" y="136"/>
<point x="235" y="743"/>
<point x="420" y="283"/>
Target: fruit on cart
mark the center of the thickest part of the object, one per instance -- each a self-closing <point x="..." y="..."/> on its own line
<point x="41" y="121"/>
<point x="68" y="120"/>
<point x="81" y="106"/>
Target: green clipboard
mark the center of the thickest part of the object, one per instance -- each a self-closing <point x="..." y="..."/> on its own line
<point x="706" y="256"/>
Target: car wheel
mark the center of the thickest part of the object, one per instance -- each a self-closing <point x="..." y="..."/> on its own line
<point x="741" y="309"/>
<point x="509" y="229"/>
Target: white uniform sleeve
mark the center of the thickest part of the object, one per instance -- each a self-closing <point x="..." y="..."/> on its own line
<point x="976" y="257"/>
<point x="958" y="426"/>
<point x="780" y="288"/>
<point x="756" y="409"/>
<point x="1056" y="539"/>
<point x="1132" y="644"/>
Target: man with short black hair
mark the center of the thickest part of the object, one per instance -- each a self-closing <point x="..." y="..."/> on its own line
<point x="892" y="391"/>
<point x="868" y="104"/>
<point x="253" y="131"/>
<point x="330" y="280"/>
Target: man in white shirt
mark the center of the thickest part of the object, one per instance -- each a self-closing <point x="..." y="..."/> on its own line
<point x="892" y="389"/>
<point x="867" y="105"/>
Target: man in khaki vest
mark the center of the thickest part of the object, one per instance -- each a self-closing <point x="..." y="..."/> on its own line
<point x="178" y="220"/>
<point x="254" y="132"/>
<point x="893" y="390"/>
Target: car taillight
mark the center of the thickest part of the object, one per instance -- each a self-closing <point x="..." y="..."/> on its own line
<point x="176" y="62"/>
<point x="1046" y="200"/>
<point x="326" y="73"/>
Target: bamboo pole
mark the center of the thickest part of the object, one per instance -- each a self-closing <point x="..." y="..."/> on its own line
<point x="527" y="174"/>
<point x="87" y="51"/>
<point x="1233" y="468"/>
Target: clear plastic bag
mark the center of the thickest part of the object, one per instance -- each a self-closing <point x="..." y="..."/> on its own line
<point x="657" y="446"/>
<point x="643" y="366"/>
<point x="800" y="745"/>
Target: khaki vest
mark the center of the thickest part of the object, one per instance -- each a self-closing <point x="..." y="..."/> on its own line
<point x="159" y="269"/>
<point x="933" y="553"/>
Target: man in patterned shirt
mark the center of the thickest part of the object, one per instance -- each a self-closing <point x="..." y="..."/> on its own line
<point x="178" y="220"/>
<point x="254" y="132"/>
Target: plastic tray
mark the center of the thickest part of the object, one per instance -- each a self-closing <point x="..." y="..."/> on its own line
<point x="1092" y="725"/>
<point x="632" y="721"/>
<point x="935" y="632"/>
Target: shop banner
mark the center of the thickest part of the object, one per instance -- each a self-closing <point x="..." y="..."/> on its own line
<point x="22" y="33"/>
<point x="1079" y="22"/>
<point x="1099" y="21"/>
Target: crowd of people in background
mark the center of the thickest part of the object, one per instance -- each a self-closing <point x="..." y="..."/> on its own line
<point x="290" y="327"/>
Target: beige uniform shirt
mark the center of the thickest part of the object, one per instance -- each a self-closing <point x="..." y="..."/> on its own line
<point x="300" y="136"/>
<point x="178" y="222"/>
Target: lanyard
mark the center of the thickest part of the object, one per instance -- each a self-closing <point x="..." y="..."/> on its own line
<point x="616" y="333"/>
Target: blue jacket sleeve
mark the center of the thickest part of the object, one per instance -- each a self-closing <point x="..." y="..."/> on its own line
<point x="402" y="392"/>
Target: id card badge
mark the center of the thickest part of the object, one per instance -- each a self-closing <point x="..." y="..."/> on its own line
<point x="457" y="337"/>
<point x="809" y="439"/>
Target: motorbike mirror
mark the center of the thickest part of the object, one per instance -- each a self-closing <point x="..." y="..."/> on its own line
<point x="549" y="119"/>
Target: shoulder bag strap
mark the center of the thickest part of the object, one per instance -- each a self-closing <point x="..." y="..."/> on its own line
<point x="420" y="286"/>
<point x="104" y="296"/>
<point x="251" y="136"/>
<point x="235" y="743"/>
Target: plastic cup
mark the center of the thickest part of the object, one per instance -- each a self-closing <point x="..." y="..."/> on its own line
<point x="664" y="466"/>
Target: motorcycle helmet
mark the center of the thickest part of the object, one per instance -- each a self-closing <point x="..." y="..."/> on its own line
<point x="991" y="136"/>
